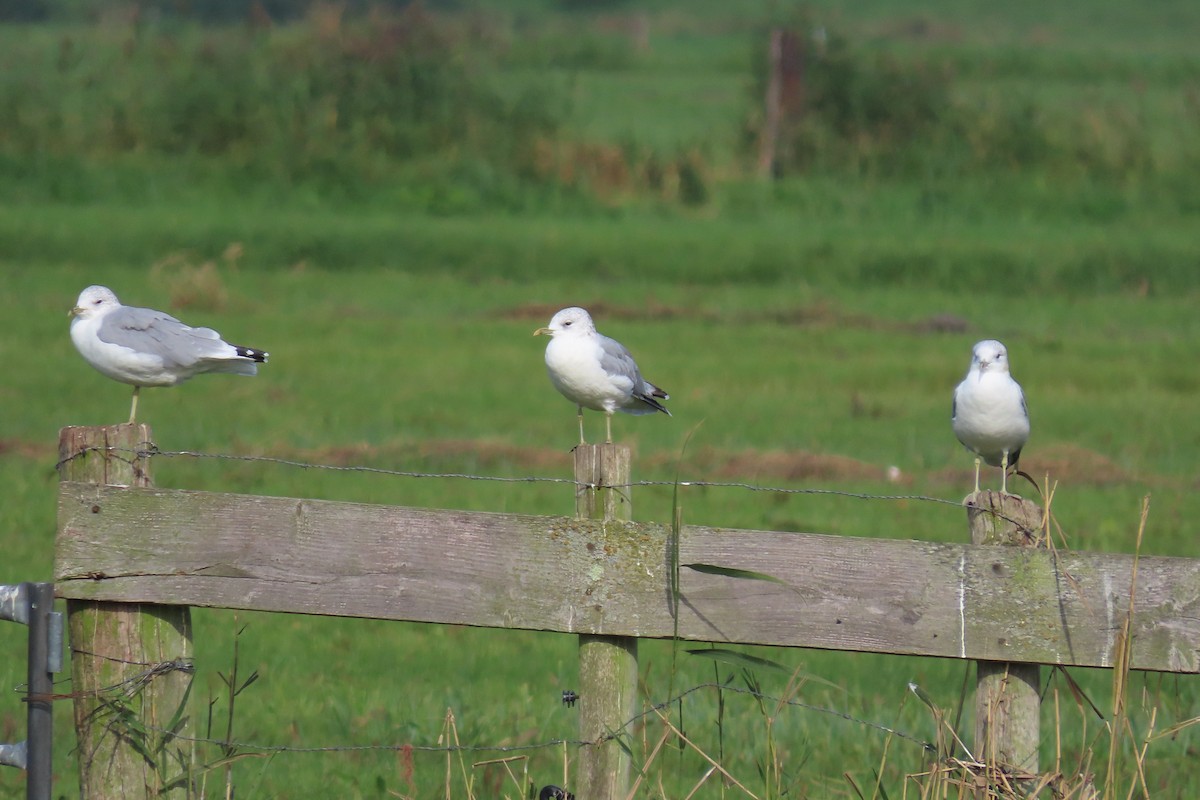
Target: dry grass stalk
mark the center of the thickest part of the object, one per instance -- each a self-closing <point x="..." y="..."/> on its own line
<point x="522" y="782"/>
<point x="449" y="735"/>
<point x="700" y="751"/>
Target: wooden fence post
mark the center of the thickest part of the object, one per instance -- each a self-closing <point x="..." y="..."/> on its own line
<point x="768" y="139"/>
<point x="1007" y="704"/>
<point x="145" y="650"/>
<point x="608" y="665"/>
<point x="784" y="101"/>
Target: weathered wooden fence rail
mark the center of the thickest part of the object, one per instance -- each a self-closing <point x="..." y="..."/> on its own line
<point x="586" y="576"/>
<point x="611" y="578"/>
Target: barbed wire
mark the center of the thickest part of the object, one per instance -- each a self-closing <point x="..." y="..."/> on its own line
<point x="778" y="700"/>
<point x="128" y="686"/>
<point x="150" y="450"/>
<point x="131" y="684"/>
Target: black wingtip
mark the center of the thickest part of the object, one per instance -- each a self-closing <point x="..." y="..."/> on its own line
<point x="649" y="400"/>
<point x="258" y="356"/>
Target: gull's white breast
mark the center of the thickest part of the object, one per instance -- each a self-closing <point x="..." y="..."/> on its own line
<point x="574" y="366"/>
<point x="989" y="415"/>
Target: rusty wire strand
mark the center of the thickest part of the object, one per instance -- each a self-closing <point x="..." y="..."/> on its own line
<point x="133" y="683"/>
<point x="150" y="450"/>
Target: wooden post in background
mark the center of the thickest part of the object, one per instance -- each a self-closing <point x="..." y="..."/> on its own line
<point x="146" y="649"/>
<point x="608" y="665"/>
<point x="772" y="106"/>
<point x="784" y="101"/>
<point x="1007" y="704"/>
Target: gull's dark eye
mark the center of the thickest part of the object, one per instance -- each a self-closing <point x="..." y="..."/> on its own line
<point x="567" y="324"/>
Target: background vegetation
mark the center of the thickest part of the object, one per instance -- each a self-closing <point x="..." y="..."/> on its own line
<point x="390" y="199"/>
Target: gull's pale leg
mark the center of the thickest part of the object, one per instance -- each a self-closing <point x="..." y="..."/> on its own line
<point x="581" y="439"/>
<point x="977" y="474"/>
<point x="133" y="406"/>
<point x="1004" y="473"/>
<point x="608" y="428"/>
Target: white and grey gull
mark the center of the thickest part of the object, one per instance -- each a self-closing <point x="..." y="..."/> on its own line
<point x="593" y="371"/>
<point x="144" y="347"/>
<point x="989" y="415"/>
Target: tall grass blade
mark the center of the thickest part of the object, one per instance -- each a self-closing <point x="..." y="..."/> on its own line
<point x="734" y="658"/>
<point x="741" y="574"/>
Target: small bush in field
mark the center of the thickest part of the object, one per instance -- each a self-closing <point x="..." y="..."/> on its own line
<point x="363" y="97"/>
<point x="847" y="110"/>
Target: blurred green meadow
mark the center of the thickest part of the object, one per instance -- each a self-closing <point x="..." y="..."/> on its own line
<point x="393" y="222"/>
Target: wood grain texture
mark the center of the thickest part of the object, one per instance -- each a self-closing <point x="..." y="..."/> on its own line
<point x="107" y="454"/>
<point x="608" y="665"/>
<point x="119" y="644"/>
<point x="1007" y="693"/>
<point x="586" y="576"/>
<point x="600" y="468"/>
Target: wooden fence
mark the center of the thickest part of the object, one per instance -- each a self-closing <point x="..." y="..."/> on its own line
<point x="131" y="560"/>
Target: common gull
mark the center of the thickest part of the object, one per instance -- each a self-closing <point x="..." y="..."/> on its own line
<point x="144" y="347"/>
<point x="989" y="415"/>
<point x="596" y="372"/>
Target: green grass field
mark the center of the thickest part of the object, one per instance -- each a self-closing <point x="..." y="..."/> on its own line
<point x="791" y="324"/>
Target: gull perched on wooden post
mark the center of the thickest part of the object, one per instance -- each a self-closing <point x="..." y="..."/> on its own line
<point x="144" y="347"/>
<point x="596" y="372"/>
<point x="989" y="414"/>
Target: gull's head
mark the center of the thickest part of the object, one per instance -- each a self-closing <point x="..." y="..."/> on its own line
<point x="573" y="320"/>
<point x="94" y="300"/>
<point x="989" y="356"/>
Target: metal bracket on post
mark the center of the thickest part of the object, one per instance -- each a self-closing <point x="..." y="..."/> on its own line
<point x="32" y="604"/>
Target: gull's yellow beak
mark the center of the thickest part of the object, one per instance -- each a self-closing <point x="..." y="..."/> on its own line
<point x="75" y="312"/>
<point x="546" y="331"/>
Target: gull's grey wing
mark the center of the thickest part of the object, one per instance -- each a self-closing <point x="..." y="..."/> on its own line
<point x="1014" y="457"/>
<point x="617" y="361"/>
<point x="145" y="330"/>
